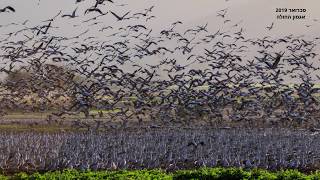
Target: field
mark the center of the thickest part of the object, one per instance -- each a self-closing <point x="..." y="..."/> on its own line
<point x="75" y="141"/>
<point x="168" y="149"/>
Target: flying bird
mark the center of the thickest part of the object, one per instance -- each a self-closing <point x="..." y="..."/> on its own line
<point x="149" y="9"/>
<point x="73" y="15"/>
<point x="7" y="8"/>
<point x="104" y="28"/>
<point x="118" y="17"/>
<point x="177" y="22"/>
<point x="94" y="10"/>
<point x="270" y="27"/>
<point x="148" y="18"/>
<point x="276" y="62"/>
<point x="52" y="19"/>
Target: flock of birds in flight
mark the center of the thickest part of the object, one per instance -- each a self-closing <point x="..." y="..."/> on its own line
<point x="228" y="85"/>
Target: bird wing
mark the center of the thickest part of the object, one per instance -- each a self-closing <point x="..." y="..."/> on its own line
<point x="74" y="12"/>
<point x="87" y="10"/>
<point x="10" y="8"/>
<point x="276" y="62"/>
<point x="119" y="18"/>
<point x="57" y="14"/>
<point x="270" y="27"/>
<point x="99" y="11"/>
<point x="141" y="26"/>
<point x="125" y="14"/>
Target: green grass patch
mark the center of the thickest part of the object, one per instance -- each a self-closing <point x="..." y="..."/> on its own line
<point x="202" y="173"/>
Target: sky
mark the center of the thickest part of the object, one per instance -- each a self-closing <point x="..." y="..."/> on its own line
<point x="256" y="14"/>
<point x="253" y="15"/>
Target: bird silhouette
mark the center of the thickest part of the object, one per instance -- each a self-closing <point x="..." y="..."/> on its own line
<point x="118" y="17"/>
<point x="270" y="27"/>
<point x="95" y="10"/>
<point x="274" y="65"/>
<point x="73" y="15"/>
<point x="7" y="8"/>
